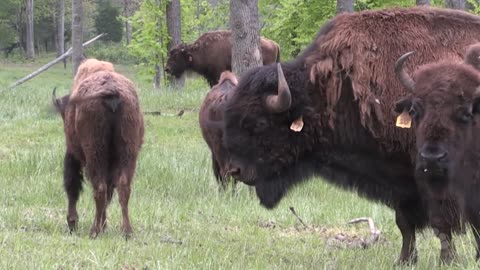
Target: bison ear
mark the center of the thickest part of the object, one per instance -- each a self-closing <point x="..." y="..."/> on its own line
<point x="403" y="104"/>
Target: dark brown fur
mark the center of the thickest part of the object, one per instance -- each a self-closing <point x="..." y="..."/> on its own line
<point x="104" y="133"/>
<point x="211" y="54"/>
<point x="445" y="107"/>
<point x="212" y="110"/>
<point x="344" y="87"/>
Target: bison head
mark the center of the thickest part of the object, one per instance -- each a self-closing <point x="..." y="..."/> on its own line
<point x="257" y="134"/>
<point x="60" y="104"/>
<point x="443" y="106"/>
<point x="179" y="60"/>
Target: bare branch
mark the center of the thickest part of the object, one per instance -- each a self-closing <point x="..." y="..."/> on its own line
<point x="50" y="64"/>
<point x="374" y="233"/>
<point x="295" y="214"/>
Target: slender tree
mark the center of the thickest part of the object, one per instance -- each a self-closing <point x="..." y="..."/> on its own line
<point x="344" y="6"/>
<point x="455" y="4"/>
<point x="423" y="2"/>
<point x="77" y="34"/>
<point x="174" y="27"/>
<point x="29" y="28"/>
<point x="59" y="19"/>
<point x="246" y="51"/>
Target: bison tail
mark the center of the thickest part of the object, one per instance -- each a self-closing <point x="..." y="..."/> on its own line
<point x="110" y="99"/>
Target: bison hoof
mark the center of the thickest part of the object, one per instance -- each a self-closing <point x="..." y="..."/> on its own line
<point x="94" y="232"/>
<point x="72" y="225"/>
<point x="127" y="232"/>
<point x="409" y="259"/>
<point x="447" y="256"/>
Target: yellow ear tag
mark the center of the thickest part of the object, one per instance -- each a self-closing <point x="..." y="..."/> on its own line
<point x="404" y="120"/>
<point x="297" y="125"/>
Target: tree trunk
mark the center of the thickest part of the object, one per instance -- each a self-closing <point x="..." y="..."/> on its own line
<point x="127" y="13"/>
<point x="455" y="4"/>
<point x="246" y="51"/>
<point x="423" y="2"/>
<point x="174" y="26"/>
<point x="59" y="19"/>
<point x="344" y="6"/>
<point x="29" y="28"/>
<point x="77" y="34"/>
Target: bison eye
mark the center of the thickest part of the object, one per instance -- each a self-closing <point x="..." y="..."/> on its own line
<point x="261" y="125"/>
<point x="464" y="116"/>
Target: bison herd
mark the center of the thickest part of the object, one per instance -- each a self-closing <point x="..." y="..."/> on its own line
<point x="329" y="112"/>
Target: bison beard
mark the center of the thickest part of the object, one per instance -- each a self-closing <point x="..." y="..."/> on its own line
<point x="104" y="133"/>
<point x="343" y="86"/>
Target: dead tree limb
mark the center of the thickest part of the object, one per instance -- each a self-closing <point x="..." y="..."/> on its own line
<point x="374" y="233"/>
<point x="50" y="64"/>
<point x="295" y="214"/>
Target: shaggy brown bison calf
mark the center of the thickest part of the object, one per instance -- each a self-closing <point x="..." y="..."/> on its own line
<point x="104" y="131"/>
<point x="444" y="106"/>
<point x="212" y="110"/>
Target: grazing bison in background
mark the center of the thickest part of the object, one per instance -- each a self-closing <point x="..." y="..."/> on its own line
<point x="444" y="106"/>
<point x="211" y="54"/>
<point x="103" y="132"/>
<point x="329" y="111"/>
<point x="212" y="110"/>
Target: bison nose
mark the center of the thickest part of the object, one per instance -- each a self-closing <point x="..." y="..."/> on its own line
<point x="437" y="155"/>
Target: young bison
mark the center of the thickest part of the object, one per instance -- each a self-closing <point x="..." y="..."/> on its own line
<point x="104" y="132"/>
<point x="444" y="105"/>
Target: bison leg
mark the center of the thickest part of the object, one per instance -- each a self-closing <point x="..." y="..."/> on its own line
<point x="124" y="190"/>
<point x="72" y="181"/>
<point x="99" y="184"/>
<point x="408" y="253"/>
<point x="110" y="190"/>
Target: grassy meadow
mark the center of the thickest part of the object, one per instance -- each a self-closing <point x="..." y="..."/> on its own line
<point x="180" y="219"/>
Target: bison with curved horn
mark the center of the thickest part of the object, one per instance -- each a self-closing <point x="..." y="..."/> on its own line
<point x="444" y="108"/>
<point x="335" y="118"/>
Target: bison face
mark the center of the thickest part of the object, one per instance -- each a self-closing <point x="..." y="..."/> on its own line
<point x="257" y="132"/>
<point x="443" y="106"/>
<point x="179" y="60"/>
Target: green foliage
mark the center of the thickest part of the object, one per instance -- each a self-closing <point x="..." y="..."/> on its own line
<point x="108" y="21"/>
<point x="149" y="37"/>
<point x="109" y="51"/>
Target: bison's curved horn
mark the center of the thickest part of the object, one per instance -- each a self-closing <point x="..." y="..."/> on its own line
<point x="54" y="96"/>
<point x="402" y="75"/>
<point x="282" y="101"/>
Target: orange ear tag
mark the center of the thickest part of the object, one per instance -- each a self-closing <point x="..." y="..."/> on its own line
<point x="404" y="120"/>
<point x="297" y="125"/>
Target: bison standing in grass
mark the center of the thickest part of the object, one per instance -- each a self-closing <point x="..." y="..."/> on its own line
<point x="104" y="131"/>
<point x="444" y="107"/>
<point x="211" y="54"/>
<point x="329" y="111"/>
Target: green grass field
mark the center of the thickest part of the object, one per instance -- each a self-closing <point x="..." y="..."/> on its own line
<point x="180" y="220"/>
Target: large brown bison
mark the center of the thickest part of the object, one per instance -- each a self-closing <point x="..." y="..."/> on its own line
<point x="329" y="111"/>
<point x="444" y="107"/>
<point x="211" y="54"/>
<point x="103" y="132"/>
<point x="212" y="110"/>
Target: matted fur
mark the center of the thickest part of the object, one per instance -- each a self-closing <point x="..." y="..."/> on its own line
<point x="355" y="49"/>
<point x="104" y="132"/>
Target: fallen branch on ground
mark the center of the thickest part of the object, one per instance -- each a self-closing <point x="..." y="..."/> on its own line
<point x="50" y="64"/>
<point x="374" y="233"/>
<point x="295" y="214"/>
